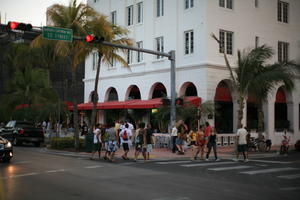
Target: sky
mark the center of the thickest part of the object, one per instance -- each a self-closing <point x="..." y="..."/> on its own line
<point x="27" y="11"/>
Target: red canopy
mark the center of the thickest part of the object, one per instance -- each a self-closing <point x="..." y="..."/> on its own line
<point x="280" y="96"/>
<point x="223" y="94"/>
<point x="143" y="104"/>
<point x="192" y="100"/>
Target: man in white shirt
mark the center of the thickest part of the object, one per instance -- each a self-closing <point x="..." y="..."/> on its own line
<point x="97" y="143"/>
<point x="174" y="136"/>
<point x="125" y="136"/>
<point x="241" y="138"/>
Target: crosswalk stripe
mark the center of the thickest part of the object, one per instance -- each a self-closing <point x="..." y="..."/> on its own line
<point x="290" y="188"/>
<point x="229" y="168"/>
<point x="270" y="161"/>
<point x="173" y="162"/>
<point x="92" y="167"/>
<point x="290" y="176"/>
<point x="207" y="164"/>
<point x="271" y="170"/>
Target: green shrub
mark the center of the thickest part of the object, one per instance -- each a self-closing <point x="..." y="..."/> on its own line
<point x="65" y="143"/>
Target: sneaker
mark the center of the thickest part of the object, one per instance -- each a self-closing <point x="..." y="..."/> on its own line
<point x="246" y="160"/>
<point x="206" y="159"/>
<point x="235" y="160"/>
<point x="218" y="159"/>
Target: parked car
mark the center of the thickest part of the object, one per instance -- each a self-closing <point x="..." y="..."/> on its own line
<point x="18" y="132"/>
<point x="6" y="150"/>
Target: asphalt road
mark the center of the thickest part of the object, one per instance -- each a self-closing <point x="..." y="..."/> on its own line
<point x="35" y="174"/>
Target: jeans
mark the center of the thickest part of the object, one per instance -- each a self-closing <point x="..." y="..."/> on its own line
<point x="174" y="148"/>
<point x="214" y="146"/>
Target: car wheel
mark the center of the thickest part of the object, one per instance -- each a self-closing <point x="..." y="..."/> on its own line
<point x="6" y="159"/>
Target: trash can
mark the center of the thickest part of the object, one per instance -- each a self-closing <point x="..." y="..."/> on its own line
<point x="89" y="142"/>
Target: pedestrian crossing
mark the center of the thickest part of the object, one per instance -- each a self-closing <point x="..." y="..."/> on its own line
<point x="253" y="167"/>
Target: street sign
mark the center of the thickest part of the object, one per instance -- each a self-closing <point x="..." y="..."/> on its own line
<point x="54" y="33"/>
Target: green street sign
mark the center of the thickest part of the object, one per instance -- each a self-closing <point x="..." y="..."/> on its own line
<point x="54" y="33"/>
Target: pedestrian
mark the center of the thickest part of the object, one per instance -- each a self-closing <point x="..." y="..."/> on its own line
<point x="268" y="145"/>
<point x="208" y="132"/>
<point x="173" y="138"/>
<point x="113" y="139"/>
<point x="84" y="129"/>
<point x="96" y="142"/>
<point x="181" y="137"/>
<point x="212" y="143"/>
<point x="200" y="143"/>
<point x="192" y="137"/>
<point x="148" y="142"/>
<point x="125" y="136"/>
<point x="139" y="140"/>
<point x="241" y="138"/>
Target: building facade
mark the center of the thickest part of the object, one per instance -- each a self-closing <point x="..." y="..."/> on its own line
<point x="186" y="26"/>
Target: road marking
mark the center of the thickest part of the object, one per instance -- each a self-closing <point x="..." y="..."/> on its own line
<point x="270" y="161"/>
<point x="207" y="164"/>
<point x="21" y="162"/>
<point x="291" y="176"/>
<point x="229" y="168"/>
<point x="173" y="162"/>
<point x="92" y="167"/>
<point x="264" y="171"/>
<point x="54" y="171"/>
<point x="20" y="175"/>
<point x="290" y="188"/>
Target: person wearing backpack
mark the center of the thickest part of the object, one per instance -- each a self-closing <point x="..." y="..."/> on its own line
<point x="125" y="136"/>
<point x="139" y="140"/>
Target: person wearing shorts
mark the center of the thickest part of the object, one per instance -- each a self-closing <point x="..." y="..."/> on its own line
<point x="112" y="144"/>
<point x="200" y="143"/>
<point x="147" y="146"/>
<point x="97" y="143"/>
<point x="139" y="140"/>
<point x="125" y="136"/>
<point x="242" y="143"/>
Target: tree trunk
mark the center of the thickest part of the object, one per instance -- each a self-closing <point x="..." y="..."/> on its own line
<point x="260" y="130"/>
<point x="75" y="109"/>
<point x="95" y="93"/>
<point x="240" y="111"/>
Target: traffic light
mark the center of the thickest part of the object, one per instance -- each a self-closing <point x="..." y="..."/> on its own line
<point x="179" y="101"/>
<point x="19" y="26"/>
<point x="92" y="38"/>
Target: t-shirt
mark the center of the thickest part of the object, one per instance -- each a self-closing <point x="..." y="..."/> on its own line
<point x="242" y="134"/>
<point x="149" y="135"/>
<point x="122" y="133"/>
<point x="97" y="136"/>
<point x="111" y="134"/>
<point x="208" y="131"/>
<point x="174" y="131"/>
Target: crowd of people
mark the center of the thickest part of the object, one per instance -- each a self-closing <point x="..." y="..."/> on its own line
<point x="116" y="135"/>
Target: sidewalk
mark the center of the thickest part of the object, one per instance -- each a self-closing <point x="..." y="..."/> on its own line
<point x="166" y="154"/>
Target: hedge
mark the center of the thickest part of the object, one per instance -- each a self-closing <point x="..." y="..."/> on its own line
<point x="68" y="142"/>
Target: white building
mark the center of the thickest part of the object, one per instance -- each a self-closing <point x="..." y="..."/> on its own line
<point x="185" y="26"/>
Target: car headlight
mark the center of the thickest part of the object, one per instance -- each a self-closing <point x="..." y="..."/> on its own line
<point x="8" y="145"/>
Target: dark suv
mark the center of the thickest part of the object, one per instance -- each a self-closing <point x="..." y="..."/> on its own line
<point x="6" y="150"/>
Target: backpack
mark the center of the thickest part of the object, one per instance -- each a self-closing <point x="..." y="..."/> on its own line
<point x="139" y="138"/>
<point x="125" y="136"/>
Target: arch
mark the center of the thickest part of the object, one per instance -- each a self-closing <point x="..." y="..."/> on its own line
<point x="158" y="90"/>
<point x="281" y="110"/>
<point x="133" y="92"/>
<point x="111" y="94"/>
<point x="224" y="107"/>
<point x="188" y="89"/>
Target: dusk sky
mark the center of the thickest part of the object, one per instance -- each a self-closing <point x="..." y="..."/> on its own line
<point x="28" y="11"/>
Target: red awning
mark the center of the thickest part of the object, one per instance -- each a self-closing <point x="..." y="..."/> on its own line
<point x="116" y="104"/>
<point x="280" y="96"/>
<point x="223" y="94"/>
<point x="192" y="100"/>
<point x="143" y="104"/>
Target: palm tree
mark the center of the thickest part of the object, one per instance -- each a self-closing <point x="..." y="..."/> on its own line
<point x="75" y="17"/>
<point x="102" y="28"/>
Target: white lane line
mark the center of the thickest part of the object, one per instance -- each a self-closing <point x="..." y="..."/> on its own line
<point x="291" y="176"/>
<point x="20" y="175"/>
<point x="271" y="170"/>
<point x="21" y="162"/>
<point x="290" y="188"/>
<point x="173" y="162"/>
<point x="92" y="167"/>
<point x="229" y="168"/>
<point x="270" y="161"/>
<point x="57" y="170"/>
<point x="207" y="164"/>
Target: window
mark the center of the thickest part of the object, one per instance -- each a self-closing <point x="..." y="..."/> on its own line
<point x="189" y="42"/>
<point x="256" y="41"/>
<point x="113" y="16"/>
<point x="129" y="15"/>
<point x="139" y="54"/>
<point x="256" y="3"/>
<point x="159" y="45"/>
<point x="226" y="42"/>
<point x="226" y="4"/>
<point x="129" y="57"/>
<point x="283" y="51"/>
<point x="159" y="8"/>
<point x="95" y="60"/>
<point x="140" y="12"/>
<point x="282" y="11"/>
<point x="188" y="4"/>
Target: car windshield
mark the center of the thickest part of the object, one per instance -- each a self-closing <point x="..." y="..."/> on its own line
<point x="10" y="124"/>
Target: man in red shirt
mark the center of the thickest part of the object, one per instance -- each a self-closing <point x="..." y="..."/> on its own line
<point x="208" y="131"/>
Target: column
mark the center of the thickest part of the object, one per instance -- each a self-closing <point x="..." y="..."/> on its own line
<point x="269" y="112"/>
